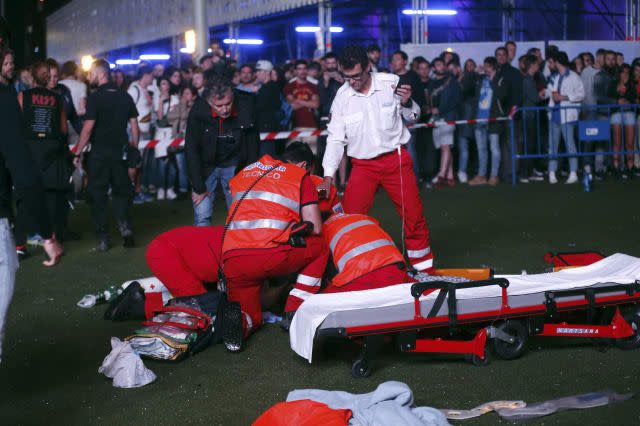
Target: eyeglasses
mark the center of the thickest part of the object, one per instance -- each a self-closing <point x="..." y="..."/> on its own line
<point x="354" y="77"/>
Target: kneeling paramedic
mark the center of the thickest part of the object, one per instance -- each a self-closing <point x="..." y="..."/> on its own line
<point x="186" y="261"/>
<point x="273" y="229"/>
<point x="364" y="255"/>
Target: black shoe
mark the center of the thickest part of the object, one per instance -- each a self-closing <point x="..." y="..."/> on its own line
<point x="22" y="253"/>
<point x="287" y="317"/>
<point x="127" y="236"/>
<point x="232" y="331"/>
<point x="625" y="174"/>
<point x="103" y="245"/>
<point x="127" y="306"/>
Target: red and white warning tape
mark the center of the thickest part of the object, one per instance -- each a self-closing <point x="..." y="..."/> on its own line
<point x="270" y="136"/>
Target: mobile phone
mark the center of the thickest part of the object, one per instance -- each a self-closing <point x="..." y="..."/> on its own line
<point x="322" y="193"/>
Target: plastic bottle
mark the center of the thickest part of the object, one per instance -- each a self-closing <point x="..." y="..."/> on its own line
<point x="90" y="300"/>
<point x="587" y="179"/>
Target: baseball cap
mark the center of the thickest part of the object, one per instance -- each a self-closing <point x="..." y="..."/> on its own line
<point x="264" y="65"/>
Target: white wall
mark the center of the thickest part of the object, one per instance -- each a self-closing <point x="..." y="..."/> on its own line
<point x="476" y="51"/>
<point x="631" y="49"/>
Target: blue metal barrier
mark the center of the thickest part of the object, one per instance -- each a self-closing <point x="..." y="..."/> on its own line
<point x="593" y="126"/>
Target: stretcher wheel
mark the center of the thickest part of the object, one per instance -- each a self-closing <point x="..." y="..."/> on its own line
<point x="506" y="350"/>
<point x="360" y="369"/>
<point x="631" y="342"/>
<point x="479" y="362"/>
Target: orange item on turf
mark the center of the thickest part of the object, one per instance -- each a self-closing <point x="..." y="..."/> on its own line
<point x="268" y="211"/>
<point x="303" y="413"/>
<point x="474" y="274"/>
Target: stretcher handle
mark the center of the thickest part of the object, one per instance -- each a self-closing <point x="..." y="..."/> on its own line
<point x="418" y="289"/>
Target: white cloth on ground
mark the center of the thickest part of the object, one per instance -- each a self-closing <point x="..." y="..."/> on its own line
<point x="390" y="404"/>
<point x="618" y="268"/>
<point x="125" y="367"/>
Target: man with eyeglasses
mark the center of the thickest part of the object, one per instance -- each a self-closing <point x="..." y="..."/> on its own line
<point x="367" y="118"/>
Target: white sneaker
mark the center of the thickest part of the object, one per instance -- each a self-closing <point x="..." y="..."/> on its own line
<point x="552" y="177"/>
<point x="573" y="178"/>
<point x="462" y="177"/>
<point x="171" y="194"/>
<point x="160" y="194"/>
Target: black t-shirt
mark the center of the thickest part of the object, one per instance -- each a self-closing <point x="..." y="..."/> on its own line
<point x="226" y="146"/>
<point x="111" y="108"/>
<point x="41" y="112"/>
<point x="413" y="80"/>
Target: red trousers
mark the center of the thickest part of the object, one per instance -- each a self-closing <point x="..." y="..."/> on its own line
<point x="185" y="258"/>
<point x="386" y="170"/>
<point x="383" y="277"/>
<point x="246" y="273"/>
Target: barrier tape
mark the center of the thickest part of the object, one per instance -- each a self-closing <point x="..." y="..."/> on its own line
<point x="270" y="136"/>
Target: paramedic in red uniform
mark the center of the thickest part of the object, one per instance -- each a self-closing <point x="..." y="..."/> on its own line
<point x="259" y="244"/>
<point x="366" y="117"/>
<point x="186" y="260"/>
<point x="364" y="255"/>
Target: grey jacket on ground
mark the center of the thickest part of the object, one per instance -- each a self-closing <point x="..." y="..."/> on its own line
<point x="390" y="404"/>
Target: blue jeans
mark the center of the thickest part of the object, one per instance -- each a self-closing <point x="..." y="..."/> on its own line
<point x="463" y="153"/>
<point x="166" y="173"/>
<point x="483" y="155"/>
<point x="203" y="211"/>
<point x="8" y="267"/>
<point x="567" y="131"/>
<point x="183" y="180"/>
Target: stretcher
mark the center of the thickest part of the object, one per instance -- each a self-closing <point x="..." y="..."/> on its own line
<point x="598" y="301"/>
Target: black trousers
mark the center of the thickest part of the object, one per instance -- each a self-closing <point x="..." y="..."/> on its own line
<point x="105" y="173"/>
<point x="57" y="209"/>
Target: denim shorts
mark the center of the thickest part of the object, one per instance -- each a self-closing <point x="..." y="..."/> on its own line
<point x="627" y="118"/>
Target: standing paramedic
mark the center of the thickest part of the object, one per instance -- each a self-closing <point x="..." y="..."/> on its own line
<point x="109" y="109"/>
<point x="366" y="117"/>
<point x="273" y="202"/>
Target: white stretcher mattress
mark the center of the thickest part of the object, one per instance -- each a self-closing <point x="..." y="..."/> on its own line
<point x="395" y="303"/>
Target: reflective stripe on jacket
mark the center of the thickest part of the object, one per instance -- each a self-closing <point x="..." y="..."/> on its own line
<point x="358" y="246"/>
<point x="266" y="213"/>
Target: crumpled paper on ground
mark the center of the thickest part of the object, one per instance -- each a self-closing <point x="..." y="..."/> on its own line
<point x="125" y="367"/>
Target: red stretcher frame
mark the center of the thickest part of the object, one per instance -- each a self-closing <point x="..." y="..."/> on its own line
<point x="541" y="320"/>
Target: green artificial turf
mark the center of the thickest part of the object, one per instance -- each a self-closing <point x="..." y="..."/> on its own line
<point x="53" y="348"/>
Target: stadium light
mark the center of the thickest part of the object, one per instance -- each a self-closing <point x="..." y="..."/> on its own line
<point x="431" y="12"/>
<point x="128" y="61"/>
<point x="112" y="66"/>
<point x="316" y="29"/>
<point x="155" y="57"/>
<point x="242" y="41"/>
<point x="86" y="62"/>
<point x="189" y="41"/>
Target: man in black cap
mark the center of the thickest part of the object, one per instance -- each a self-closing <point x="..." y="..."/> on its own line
<point x="109" y="109"/>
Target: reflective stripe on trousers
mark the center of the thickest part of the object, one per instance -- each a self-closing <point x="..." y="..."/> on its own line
<point x="418" y="253"/>
<point x="362" y="249"/>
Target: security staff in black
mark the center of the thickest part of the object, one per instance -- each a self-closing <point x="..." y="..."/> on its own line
<point x="109" y="109"/>
<point x="44" y="128"/>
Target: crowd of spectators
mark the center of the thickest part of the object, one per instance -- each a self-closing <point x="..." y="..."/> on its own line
<point x="297" y="96"/>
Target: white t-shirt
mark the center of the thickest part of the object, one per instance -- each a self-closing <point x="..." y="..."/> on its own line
<point x="143" y="104"/>
<point x="78" y="91"/>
